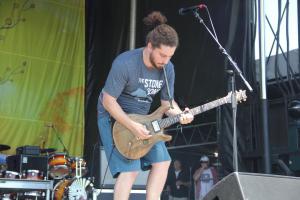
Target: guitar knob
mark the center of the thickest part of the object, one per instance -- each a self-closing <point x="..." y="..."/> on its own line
<point x="145" y="141"/>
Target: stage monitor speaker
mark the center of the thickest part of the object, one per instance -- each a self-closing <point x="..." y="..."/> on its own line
<point x="248" y="186"/>
<point x="108" y="194"/>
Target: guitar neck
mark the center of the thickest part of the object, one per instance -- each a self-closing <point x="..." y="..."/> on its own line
<point x="166" y="122"/>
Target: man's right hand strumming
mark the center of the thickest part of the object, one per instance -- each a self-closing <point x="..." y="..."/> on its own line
<point x="140" y="131"/>
<point x="111" y="105"/>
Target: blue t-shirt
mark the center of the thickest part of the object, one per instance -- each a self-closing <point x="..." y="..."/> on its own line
<point x="134" y="85"/>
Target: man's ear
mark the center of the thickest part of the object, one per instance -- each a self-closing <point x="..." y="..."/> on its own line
<point x="149" y="46"/>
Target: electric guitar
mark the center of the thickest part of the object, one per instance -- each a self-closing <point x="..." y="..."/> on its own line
<point x="133" y="148"/>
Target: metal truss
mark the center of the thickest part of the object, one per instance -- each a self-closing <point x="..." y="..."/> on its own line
<point x="192" y="136"/>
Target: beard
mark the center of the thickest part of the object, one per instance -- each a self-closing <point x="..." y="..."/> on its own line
<point x="151" y="59"/>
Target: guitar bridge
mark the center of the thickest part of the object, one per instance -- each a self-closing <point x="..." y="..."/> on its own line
<point x="155" y="126"/>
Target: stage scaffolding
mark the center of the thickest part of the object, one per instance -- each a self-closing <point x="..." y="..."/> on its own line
<point x="197" y="138"/>
<point x="193" y="135"/>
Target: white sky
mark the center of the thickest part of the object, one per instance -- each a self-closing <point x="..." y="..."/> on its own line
<point x="271" y="11"/>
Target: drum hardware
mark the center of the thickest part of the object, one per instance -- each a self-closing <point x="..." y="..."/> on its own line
<point x="21" y="163"/>
<point x="67" y="174"/>
<point x="8" y="196"/>
<point x="11" y="174"/>
<point x="72" y="189"/>
<point x="3" y="168"/>
<point x="32" y="174"/>
<point x="78" y="167"/>
<point x="32" y="195"/>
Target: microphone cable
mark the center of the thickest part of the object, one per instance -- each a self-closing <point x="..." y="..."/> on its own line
<point x="211" y="23"/>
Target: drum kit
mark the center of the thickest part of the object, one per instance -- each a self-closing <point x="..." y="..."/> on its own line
<point x="68" y="175"/>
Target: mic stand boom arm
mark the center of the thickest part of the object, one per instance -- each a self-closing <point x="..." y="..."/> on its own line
<point x="60" y="140"/>
<point x="236" y="68"/>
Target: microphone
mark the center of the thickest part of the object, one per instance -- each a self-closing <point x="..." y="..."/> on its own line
<point x="183" y="11"/>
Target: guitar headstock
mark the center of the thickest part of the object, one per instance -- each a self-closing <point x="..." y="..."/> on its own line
<point x="239" y="95"/>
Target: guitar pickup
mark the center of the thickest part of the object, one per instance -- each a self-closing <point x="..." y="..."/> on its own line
<point x="155" y="126"/>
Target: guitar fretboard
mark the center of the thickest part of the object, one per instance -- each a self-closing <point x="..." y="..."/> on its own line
<point x="166" y="122"/>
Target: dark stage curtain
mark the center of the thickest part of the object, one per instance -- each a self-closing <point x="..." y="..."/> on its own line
<point x="240" y="44"/>
<point x="199" y="65"/>
<point x="106" y="36"/>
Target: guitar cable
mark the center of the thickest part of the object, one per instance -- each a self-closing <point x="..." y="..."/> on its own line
<point x="109" y="159"/>
<point x="97" y="145"/>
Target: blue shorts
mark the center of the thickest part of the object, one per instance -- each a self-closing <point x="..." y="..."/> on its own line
<point x="117" y="162"/>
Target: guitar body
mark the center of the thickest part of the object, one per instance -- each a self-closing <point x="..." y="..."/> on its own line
<point x="127" y="143"/>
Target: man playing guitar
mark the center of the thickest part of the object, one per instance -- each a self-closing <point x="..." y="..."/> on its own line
<point x="135" y="78"/>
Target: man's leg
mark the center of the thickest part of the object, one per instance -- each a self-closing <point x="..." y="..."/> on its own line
<point x="124" y="184"/>
<point x="156" y="180"/>
<point x="118" y="163"/>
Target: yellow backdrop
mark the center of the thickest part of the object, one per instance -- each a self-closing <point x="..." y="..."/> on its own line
<point x="42" y="46"/>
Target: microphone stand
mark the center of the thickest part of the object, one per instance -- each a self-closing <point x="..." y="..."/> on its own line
<point x="191" y="183"/>
<point x="59" y="139"/>
<point x="234" y="111"/>
<point x="233" y="98"/>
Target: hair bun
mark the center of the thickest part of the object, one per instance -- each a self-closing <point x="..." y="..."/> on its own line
<point x="154" y="19"/>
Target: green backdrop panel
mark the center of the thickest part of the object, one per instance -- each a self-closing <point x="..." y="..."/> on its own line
<point x="42" y="74"/>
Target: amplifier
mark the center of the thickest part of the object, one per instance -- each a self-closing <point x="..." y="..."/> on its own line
<point x="28" y="150"/>
<point x="21" y="163"/>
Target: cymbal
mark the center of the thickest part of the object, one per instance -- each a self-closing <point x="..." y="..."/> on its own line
<point x="4" y="147"/>
<point x="48" y="150"/>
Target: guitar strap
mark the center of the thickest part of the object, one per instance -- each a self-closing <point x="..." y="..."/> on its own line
<point x="168" y="89"/>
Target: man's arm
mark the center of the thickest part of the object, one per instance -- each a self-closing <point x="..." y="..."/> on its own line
<point x="112" y="106"/>
<point x="184" y="183"/>
<point x="171" y="112"/>
<point x="198" y="173"/>
<point x="185" y="118"/>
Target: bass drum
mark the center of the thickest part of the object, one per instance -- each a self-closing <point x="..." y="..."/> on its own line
<point x="72" y="189"/>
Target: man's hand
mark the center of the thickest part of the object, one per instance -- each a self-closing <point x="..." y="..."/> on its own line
<point x="186" y="117"/>
<point x="178" y="183"/>
<point x="112" y="106"/>
<point x="140" y="131"/>
<point x="201" y="169"/>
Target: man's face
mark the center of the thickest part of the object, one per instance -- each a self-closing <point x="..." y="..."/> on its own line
<point x="204" y="165"/>
<point x="160" y="56"/>
<point x="177" y="165"/>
